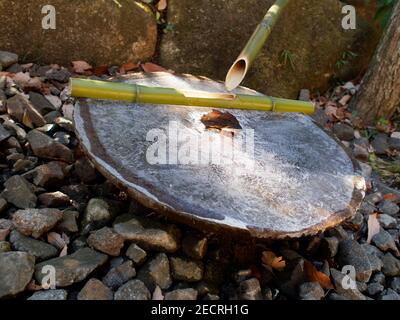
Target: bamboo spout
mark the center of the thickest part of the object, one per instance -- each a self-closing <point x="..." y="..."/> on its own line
<point x="239" y="69"/>
<point x="85" y="88"/>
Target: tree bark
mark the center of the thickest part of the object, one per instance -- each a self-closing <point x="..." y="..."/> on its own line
<point x="379" y="93"/>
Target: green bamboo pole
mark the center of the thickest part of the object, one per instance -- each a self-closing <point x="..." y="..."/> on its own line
<point x="85" y="88"/>
<point x="238" y="70"/>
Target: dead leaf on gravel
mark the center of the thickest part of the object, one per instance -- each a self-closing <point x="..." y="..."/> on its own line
<point x="271" y="260"/>
<point x="390" y="197"/>
<point x="345" y="99"/>
<point x="81" y="67"/>
<point x="313" y="275"/>
<point x="59" y="241"/>
<point x="126" y="67"/>
<point x="32" y="286"/>
<point x="157" y="294"/>
<point x="373" y="226"/>
<point x="100" y="70"/>
<point x="162" y="5"/>
<point x="64" y="251"/>
<point x="152" y="67"/>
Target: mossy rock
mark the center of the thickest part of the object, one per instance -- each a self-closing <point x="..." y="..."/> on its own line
<point x="97" y="31"/>
<point x="208" y="35"/>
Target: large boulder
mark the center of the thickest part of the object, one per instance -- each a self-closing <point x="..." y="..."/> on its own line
<point x="307" y="47"/>
<point x="97" y="31"/>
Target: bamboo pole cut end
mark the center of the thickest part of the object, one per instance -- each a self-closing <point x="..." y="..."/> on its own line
<point x="236" y="74"/>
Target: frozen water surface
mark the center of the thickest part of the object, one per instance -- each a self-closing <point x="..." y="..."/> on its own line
<point x="292" y="180"/>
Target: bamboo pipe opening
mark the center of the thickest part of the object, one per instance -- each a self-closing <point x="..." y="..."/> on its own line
<point x="236" y="74"/>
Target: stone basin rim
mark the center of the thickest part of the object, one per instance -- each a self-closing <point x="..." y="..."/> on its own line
<point x="209" y="225"/>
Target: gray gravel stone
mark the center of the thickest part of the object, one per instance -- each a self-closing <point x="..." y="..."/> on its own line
<point x="311" y="291"/>
<point x="19" y="192"/>
<point x="49" y="175"/>
<point x="133" y="290"/>
<point x="343" y="131"/>
<point x="329" y="247"/>
<point x="35" y="222"/>
<point x="389" y="294"/>
<point x="98" y="212"/>
<point x="182" y="294"/>
<point x="85" y="171"/>
<point x="7" y="59"/>
<point x="351" y="253"/>
<point x="68" y="222"/>
<point x="372" y="250"/>
<point x="155" y="272"/>
<point x="374" y="289"/>
<point x="194" y="245"/>
<point x="150" y="235"/>
<point x="250" y="290"/>
<point x="41" y="250"/>
<point x="136" y="254"/>
<point x="186" y="270"/>
<point x="380" y="143"/>
<point x="376" y="263"/>
<point x="384" y="241"/>
<point x="94" y="289"/>
<point x="16" y="269"/>
<point x="387" y="222"/>
<point x="72" y="268"/>
<point x="49" y="295"/>
<point x="54" y="199"/>
<point x="378" y="277"/>
<point x="374" y="198"/>
<point x="45" y="147"/>
<point x="360" y="153"/>
<point x="4" y="133"/>
<point x="40" y="103"/>
<point x="107" y="241"/>
<point x="391" y="265"/>
<point x="394" y="143"/>
<point x="367" y="208"/>
<point x="389" y="208"/>
<point x="119" y="275"/>
<point x="395" y="284"/>
<point x="348" y="293"/>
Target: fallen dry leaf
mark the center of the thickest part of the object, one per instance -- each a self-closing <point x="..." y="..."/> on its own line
<point x="345" y="99"/>
<point x="126" y="67"/>
<point x="162" y="5"/>
<point x="373" y="226"/>
<point x="157" y="294"/>
<point x="390" y="197"/>
<point x="270" y="259"/>
<point x="152" y="67"/>
<point x="313" y="275"/>
<point x="100" y="70"/>
<point x="56" y="240"/>
<point x="64" y="251"/>
<point x="81" y="67"/>
<point x="220" y="120"/>
<point x="4" y="233"/>
<point x="32" y="286"/>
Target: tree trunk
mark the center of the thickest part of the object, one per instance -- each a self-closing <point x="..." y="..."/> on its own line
<point x="379" y="93"/>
